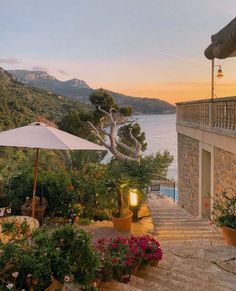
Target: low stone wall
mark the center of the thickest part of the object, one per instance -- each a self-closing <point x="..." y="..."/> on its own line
<point x="225" y="172"/>
<point x="188" y="170"/>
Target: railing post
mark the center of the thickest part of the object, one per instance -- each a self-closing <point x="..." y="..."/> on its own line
<point x="211" y="115"/>
<point x="177" y="113"/>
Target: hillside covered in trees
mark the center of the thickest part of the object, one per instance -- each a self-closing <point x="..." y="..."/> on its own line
<point x="21" y="104"/>
<point x="80" y="90"/>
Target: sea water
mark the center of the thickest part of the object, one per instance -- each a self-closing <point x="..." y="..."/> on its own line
<point x="160" y="135"/>
<point x="160" y="132"/>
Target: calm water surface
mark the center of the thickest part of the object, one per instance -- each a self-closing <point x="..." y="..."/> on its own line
<point x="160" y="135"/>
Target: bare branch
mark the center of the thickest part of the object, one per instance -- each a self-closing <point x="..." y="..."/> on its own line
<point x="137" y="144"/>
<point x="112" y="109"/>
<point x="102" y="127"/>
<point x="104" y="111"/>
<point x="112" y="147"/>
<point x="97" y="133"/>
<point x="124" y="146"/>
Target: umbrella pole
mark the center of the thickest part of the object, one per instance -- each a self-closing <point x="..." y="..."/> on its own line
<point x="35" y="181"/>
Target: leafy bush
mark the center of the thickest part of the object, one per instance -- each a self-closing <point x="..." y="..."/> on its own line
<point x="66" y="254"/>
<point x="224" y="210"/>
<point x="56" y="186"/>
<point x="92" y="190"/>
<point x="122" y="176"/>
<point x="59" y="192"/>
<point x="84" y="221"/>
<point x="18" y="189"/>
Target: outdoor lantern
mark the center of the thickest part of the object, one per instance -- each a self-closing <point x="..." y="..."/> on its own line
<point x="220" y="73"/>
<point x="133" y="199"/>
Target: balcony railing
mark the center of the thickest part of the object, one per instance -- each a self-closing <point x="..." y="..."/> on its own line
<point x="218" y="113"/>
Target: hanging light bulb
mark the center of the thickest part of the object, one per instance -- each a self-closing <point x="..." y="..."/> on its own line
<point x="220" y="73"/>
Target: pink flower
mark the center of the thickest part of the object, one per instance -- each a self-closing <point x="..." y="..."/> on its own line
<point x="66" y="279"/>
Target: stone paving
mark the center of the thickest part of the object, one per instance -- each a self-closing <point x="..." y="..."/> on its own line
<point x="171" y="222"/>
<point x="195" y="256"/>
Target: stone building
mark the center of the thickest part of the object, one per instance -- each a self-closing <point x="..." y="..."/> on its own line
<point x="207" y="137"/>
<point x="206" y="152"/>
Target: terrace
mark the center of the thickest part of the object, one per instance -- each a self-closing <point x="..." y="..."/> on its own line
<point x="214" y="115"/>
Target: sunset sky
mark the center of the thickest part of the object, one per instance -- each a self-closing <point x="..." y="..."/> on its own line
<point x="151" y="48"/>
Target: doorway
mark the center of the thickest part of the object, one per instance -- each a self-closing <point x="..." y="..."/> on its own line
<point x="206" y="185"/>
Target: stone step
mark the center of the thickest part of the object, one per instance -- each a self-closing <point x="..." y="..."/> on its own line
<point x="173" y="219"/>
<point x="116" y="286"/>
<point x="158" y="214"/>
<point x="183" y="226"/>
<point x="222" y="279"/>
<point x="195" y="222"/>
<point x="146" y="285"/>
<point x="185" y="234"/>
<point x="195" y="277"/>
<point x="165" y="212"/>
<point x="203" y="275"/>
<point x="165" y="281"/>
<point x="174" y="231"/>
<point x="189" y="237"/>
<point x="183" y="231"/>
<point x="200" y="235"/>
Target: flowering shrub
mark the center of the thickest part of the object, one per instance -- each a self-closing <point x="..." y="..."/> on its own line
<point x="121" y="255"/>
<point x="68" y="255"/>
<point x="145" y="249"/>
<point x="65" y="254"/>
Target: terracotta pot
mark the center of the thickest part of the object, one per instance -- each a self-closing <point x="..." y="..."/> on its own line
<point x="229" y="235"/>
<point x="122" y="224"/>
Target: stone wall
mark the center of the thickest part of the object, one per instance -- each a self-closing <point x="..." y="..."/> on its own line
<point x="225" y="172"/>
<point x="188" y="173"/>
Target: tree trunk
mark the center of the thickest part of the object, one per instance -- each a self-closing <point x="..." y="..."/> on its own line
<point x="112" y="146"/>
<point x="120" y="202"/>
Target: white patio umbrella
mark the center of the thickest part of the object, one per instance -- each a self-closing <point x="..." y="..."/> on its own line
<point x="41" y="136"/>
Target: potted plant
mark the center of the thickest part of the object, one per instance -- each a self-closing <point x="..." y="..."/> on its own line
<point x="224" y="215"/>
<point x="122" y="215"/>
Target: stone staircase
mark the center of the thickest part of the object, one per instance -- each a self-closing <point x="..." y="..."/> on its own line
<point x="195" y="257"/>
<point x="171" y="222"/>
<point x="196" y="266"/>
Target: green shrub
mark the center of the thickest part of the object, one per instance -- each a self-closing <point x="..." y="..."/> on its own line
<point x="64" y="253"/>
<point x="59" y="192"/>
<point x="101" y="214"/>
<point x="18" y="189"/>
<point x="224" y="210"/>
<point x="56" y="186"/>
<point x="93" y="193"/>
<point x="4" y="201"/>
<point x="84" y="221"/>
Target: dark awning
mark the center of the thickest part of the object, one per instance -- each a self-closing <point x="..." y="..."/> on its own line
<point x="223" y="43"/>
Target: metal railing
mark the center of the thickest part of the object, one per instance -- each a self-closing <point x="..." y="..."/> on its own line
<point x="218" y="113"/>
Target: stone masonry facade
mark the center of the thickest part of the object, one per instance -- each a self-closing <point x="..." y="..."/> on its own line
<point x="188" y="171"/>
<point x="224" y="172"/>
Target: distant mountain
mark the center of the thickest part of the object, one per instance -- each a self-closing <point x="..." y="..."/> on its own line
<point x="79" y="89"/>
<point x="21" y="104"/>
